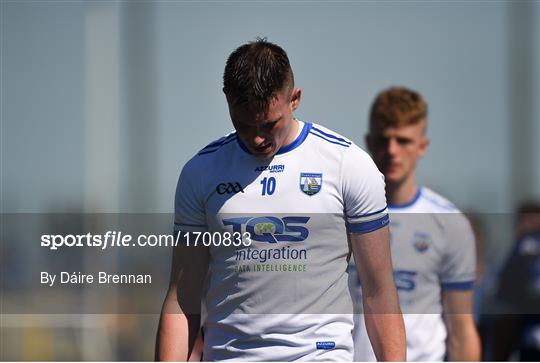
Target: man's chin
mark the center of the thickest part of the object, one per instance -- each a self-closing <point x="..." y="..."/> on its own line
<point x="393" y="178"/>
<point x="266" y="154"/>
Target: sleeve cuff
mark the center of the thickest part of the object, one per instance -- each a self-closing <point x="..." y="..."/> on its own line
<point x="462" y="285"/>
<point x="370" y="226"/>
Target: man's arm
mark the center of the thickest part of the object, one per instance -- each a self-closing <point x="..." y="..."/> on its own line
<point x="180" y="316"/>
<point x="382" y="313"/>
<point x="463" y="343"/>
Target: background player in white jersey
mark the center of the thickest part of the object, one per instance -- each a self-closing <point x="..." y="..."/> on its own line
<point x="297" y="188"/>
<point x="433" y="250"/>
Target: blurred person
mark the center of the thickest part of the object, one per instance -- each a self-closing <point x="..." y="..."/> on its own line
<point x="275" y="165"/>
<point x="528" y="219"/>
<point x="433" y="248"/>
<point x="515" y="332"/>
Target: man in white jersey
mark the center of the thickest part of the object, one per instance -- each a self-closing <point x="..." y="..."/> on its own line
<point x="290" y="194"/>
<point x="433" y="250"/>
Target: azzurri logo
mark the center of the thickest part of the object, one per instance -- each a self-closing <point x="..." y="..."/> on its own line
<point x="326" y="345"/>
<point x="271" y="168"/>
<point x="271" y="229"/>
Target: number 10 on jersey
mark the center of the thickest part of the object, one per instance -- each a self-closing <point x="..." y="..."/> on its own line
<point x="268" y="186"/>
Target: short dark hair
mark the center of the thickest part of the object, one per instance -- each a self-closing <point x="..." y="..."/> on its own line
<point x="397" y="107"/>
<point x="255" y="71"/>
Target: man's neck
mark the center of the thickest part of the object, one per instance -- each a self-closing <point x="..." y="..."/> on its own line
<point x="403" y="192"/>
<point x="294" y="132"/>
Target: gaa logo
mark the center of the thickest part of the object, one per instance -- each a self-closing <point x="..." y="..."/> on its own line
<point x="229" y="188"/>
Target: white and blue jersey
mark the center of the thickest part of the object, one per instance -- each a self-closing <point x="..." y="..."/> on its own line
<point x="285" y="297"/>
<point x="432" y="250"/>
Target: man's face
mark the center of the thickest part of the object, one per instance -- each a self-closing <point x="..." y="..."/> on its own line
<point x="396" y="150"/>
<point x="264" y="133"/>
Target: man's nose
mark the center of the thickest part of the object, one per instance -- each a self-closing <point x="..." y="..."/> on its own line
<point x="257" y="139"/>
<point x="392" y="147"/>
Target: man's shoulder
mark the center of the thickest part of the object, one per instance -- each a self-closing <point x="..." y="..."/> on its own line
<point x="448" y="216"/>
<point x="435" y="202"/>
<point x="334" y="142"/>
<point x="207" y="157"/>
<point x="328" y="137"/>
<point x="218" y="145"/>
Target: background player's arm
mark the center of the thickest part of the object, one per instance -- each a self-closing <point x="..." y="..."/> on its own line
<point x="197" y="352"/>
<point x="458" y="274"/>
<point x="382" y="314"/>
<point x="463" y="343"/>
<point x="179" y="324"/>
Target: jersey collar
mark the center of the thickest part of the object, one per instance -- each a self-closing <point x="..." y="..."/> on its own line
<point x="409" y="203"/>
<point x="285" y="149"/>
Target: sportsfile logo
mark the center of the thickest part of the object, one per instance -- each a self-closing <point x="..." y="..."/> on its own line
<point x="271" y="168"/>
<point x="229" y="188"/>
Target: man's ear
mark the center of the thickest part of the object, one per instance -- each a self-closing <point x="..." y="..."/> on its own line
<point x="296" y="96"/>
<point x="228" y="97"/>
<point x="424" y="142"/>
<point x="424" y="145"/>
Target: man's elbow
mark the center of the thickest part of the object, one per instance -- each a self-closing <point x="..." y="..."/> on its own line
<point x="382" y="299"/>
